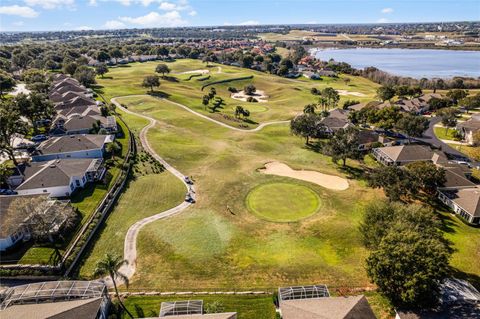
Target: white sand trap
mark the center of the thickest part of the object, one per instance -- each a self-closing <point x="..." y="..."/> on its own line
<point x="345" y="92"/>
<point x="258" y="95"/>
<point x="196" y="72"/>
<point x="324" y="180"/>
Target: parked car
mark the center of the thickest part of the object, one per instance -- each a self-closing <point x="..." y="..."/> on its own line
<point x="189" y="198"/>
<point x="39" y="138"/>
<point x="188" y="180"/>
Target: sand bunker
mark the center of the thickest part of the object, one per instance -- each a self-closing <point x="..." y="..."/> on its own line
<point x="258" y="95"/>
<point x="324" y="180"/>
<point x="196" y="72"/>
<point x="345" y="92"/>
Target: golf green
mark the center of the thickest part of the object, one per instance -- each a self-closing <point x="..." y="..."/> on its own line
<point x="282" y="202"/>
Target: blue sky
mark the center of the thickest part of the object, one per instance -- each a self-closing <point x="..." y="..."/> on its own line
<point x="28" y="15"/>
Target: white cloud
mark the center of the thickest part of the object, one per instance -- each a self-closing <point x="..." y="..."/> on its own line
<point x="312" y="22"/>
<point x="167" y="6"/>
<point x="249" y="22"/>
<point x="92" y="3"/>
<point x="83" y="27"/>
<point x="114" y="24"/>
<point x="18" y="23"/>
<point x="16" y="10"/>
<point x="50" y="4"/>
<point x="382" y="20"/>
<point x="192" y="13"/>
<point x="387" y="10"/>
<point x="154" y="19"/>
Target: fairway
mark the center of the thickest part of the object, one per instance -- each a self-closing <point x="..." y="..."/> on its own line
<point x="282" y="202"/>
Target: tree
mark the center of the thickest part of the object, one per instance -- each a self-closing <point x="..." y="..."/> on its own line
<point x="449" y="117"/>
<point x="470" y="102"/>
<point x="331" y="97"/>
<point x="344" y="144"/>
<point x="348" y="103"/>
<point x="205" y="100"/>
<point x="112" y="148"/>
<point x="101" y="69"/>
<point x="10" y="125"/>
<point x="409" y="257"/>
<point x="34" y="107"/>
<point x="247" y="61"/>
<point x="395" y="181"/>
<point x="7" y="83"/>
<point x="307" y="126"/>
<point x="412" y="125"/>
<point x="238" y="111"/>
<point x="70" y="68"/>
<point x="103" y="56"/>
<point x="436" y="103"/>
<point x="151" y="81"/>
<point x="426" y="176"/>
<point x="385" y="93"/>
<point x="85" y="75"/>
<point x="309" y="108"/>
<point x="116" y="54"/>
<point x="249" y="89"/>
<point x="456" y="95"/>
<point x="110" y="265"/>
<point x="162" y="68"/>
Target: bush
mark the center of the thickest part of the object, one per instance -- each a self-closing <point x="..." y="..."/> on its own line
<point x="251" y="99"/>
<point x="231" y="89"/>
<point x="249" y="89"/>
<point x="228" y="80"/>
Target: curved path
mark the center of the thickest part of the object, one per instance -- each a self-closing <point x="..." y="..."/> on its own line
<point x="130" y="245"/>
<point x="186" y="108"/>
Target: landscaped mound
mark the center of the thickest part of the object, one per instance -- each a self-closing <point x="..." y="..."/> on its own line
<point x="328" y="181"/>
<point x="282" y="202"/>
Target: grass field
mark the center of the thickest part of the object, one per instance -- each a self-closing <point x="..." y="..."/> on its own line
<point x="247" y="307"/>
<point x="218" y="242"/>
<point x="282" y="202"/>
<point x="443" y="134"/>
<point x="287" y="97"/>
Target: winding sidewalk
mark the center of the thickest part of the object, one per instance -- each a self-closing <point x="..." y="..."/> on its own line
<point x="130" y="244"/>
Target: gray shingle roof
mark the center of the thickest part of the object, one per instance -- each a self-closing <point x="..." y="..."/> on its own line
<point x="72" y="143"/>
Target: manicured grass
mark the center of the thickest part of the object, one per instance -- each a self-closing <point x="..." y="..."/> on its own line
<point x="282" y="202"/>
<point x="210" y="246"/>
<point x="247" y="307"/>
<point x="443" y="134"/>
<point x="145" y="196"/>
<point x="287" y="97"/>
<point x="470" y="151"/>
<point x="40" y="255"/>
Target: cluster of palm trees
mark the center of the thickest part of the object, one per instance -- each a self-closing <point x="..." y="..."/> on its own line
<point x="328" y="98"/>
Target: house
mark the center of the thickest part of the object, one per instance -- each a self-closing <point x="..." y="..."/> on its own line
<point x="82" y="124"/>
<point x="368" y="139"/>
<point x="56" y="299"/>
<point x="190" y="309"/>
<point x="72" y="146"/>
<point x="337" y="119"/>
<point x="328" y="73"/>
<point x="57" y="97"/>
<point x="468" y="129"/>
<point x="404" y="154"/>
<point x="417" y="105"/>
<point x="464" y="202"/>
<point x="457" y="178"/>
<point x="77" y="101"/>
<point x="315" y="302"/>
<point x="311" y="75"/>
<point x="15" y="228"/>
<point x="339" y="113"/>
<point x="57" y="178"/>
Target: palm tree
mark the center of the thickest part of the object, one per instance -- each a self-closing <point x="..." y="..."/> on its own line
<point x="309" y="109"/>
<point x="110" y="265"/>
<point x="112" y="148"/>
<point x="323" y="102"/>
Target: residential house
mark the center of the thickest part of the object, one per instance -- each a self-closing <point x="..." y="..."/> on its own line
<point x="468" y="129"/>
<point x="15" y="228"/>
<point x="57" y="97"/>
<point x="418" y="105"/>
<point x="404" y="154"/>
<point x="78" y="101"/>
<point x="56" y="299"/>
<point x="337" y="119"/>
<point x="328" y="73"/>
<point x="82" y="124"/>
<point x="311" y="75"/>
<point x="72" y="146"/>
<point x="57" y="178"/>
<point x="368" y="139"/>
<point x="464" y="202"/>
<point x="315" y="302"/>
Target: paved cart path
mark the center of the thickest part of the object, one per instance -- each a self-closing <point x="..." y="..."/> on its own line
<point x="130" y="244"/>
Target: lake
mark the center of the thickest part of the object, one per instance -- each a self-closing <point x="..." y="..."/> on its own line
<point x="416" y="63"/>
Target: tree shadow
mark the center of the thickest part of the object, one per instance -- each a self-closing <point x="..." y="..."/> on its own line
<point x="249" y="121"/>
<point x="139" y="311"/>
<point x="170" y="78"/>
<point x="106" y="77"/>
<point x="353" y="172"/>
<point x="474" y="279"/>
<point x="159" y="94"/>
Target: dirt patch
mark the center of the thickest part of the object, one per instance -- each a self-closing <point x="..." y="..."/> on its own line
<point x="345" y="92"/>
<point x="324" y="180"/>
<point x="196" y="72"/>
<point x="258" y="95"/>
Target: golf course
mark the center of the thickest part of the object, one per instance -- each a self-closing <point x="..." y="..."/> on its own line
<point x="253" y="226"/>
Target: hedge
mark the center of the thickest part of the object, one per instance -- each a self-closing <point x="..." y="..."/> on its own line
<point x="193" y="76"/>
<point x="228" y="80"/>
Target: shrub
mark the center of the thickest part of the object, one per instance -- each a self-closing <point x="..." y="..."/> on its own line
<point x="231" y="89"/>
<point x="251" y="99"/>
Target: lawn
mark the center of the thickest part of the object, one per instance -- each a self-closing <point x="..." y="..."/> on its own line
<point x="443" y="134"/>
<point x="212" y="246"/>
<point x="286" y="97"/>
<point x="247" y="307"/>
<point x="218" y="243"/>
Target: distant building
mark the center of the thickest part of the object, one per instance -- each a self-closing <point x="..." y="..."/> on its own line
<point x="468" y="129"/>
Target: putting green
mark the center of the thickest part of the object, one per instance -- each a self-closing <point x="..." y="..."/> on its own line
<point x="282" y="202"/>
